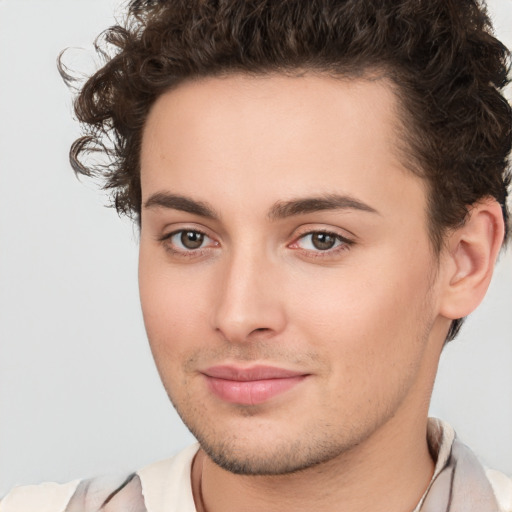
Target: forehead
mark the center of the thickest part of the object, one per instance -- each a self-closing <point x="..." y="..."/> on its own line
<point x="240" y="138"/>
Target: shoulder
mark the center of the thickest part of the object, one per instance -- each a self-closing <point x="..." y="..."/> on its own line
<point x="47" y="497"/>
<point x="443" y="442"/>
<point x="502" y="487"/>
<point x="166" y="484"/>
<point x="160" y="487"/>
<point x="108" y="494"/>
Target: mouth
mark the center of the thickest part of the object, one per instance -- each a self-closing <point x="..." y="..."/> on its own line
<point x="250" y="386"/>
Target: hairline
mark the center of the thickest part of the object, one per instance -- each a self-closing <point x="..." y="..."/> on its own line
<point x="403" y="148"/>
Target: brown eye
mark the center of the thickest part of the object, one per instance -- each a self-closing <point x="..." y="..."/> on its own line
<point x="188" y="242"/>
<point x="191" y="239"/>
<point x="323" y="241"/>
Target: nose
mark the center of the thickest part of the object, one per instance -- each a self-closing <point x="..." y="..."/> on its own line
<point x="250" y="301"/>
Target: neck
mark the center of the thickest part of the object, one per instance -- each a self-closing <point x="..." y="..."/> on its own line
<point x="388" y="472"/>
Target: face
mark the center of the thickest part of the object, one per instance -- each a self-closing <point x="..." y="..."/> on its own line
<point x="286" y="275"/>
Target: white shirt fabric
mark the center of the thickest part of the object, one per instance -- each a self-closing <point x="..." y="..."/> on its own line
<point x="166" y="485"/>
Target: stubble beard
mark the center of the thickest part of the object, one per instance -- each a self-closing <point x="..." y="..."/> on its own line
<point x="285" y="457"/>
<point x="318" y="443"/>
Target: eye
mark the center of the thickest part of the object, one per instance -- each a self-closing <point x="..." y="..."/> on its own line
<point x="321" y="241"/>
<point x="187" y="240"/>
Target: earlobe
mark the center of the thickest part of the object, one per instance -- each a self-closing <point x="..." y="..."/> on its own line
<point x="470" y="254"/>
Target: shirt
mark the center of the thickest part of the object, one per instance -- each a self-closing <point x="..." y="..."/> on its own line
<point x="165" y="486"/>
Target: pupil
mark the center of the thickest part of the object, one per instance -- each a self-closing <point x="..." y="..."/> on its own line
<point x="323" y="241"/>
<point x="192" y="239"/>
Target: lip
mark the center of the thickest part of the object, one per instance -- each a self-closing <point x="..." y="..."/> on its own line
<point x="250" y="386"/>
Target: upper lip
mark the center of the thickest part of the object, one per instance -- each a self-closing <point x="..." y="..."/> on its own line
<point x="235" y="373"/>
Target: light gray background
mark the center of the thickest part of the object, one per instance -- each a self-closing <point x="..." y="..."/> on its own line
<point x="78" y="392"/>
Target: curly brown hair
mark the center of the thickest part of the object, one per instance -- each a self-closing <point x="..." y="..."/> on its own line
<point x="447" y="68"/>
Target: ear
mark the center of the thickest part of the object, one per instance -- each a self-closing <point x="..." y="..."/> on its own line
<point x="469" y="257"/>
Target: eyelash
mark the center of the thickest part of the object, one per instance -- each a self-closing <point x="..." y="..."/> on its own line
<point x="190" y="253"/>
<point x="344" y="244"/>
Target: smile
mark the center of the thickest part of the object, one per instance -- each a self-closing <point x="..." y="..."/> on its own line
<point x="250" y="386"/>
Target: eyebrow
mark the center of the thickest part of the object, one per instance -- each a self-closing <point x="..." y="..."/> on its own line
<point x="283" y="209"/>
<point x="181" y="203"/>
<point x="280" y="209"/>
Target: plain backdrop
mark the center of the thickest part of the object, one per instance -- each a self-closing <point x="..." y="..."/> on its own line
<point x="79" y="395"/>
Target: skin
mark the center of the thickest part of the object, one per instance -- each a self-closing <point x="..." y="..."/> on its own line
<point x="364" y="321"/>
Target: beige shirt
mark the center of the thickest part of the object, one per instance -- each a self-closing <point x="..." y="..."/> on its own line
<point x="166" y="485"/>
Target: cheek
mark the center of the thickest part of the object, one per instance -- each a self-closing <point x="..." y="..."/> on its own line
<point x="174" y="307"/>
<point x="370" y="317"/>
<point x="372" y="335"/>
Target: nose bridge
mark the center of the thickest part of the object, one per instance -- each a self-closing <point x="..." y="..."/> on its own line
<point x="248" y="301"/>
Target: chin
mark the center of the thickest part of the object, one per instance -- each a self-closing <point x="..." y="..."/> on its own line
<point x="265" y="441"/>
<point x="238" y="457"/>
<point x="267" y="449"/>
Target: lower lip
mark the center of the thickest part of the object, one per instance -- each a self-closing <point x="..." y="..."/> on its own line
<point x="251" y="392"/>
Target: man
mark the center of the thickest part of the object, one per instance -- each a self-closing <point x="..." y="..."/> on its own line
<point x="321" y="192"/>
